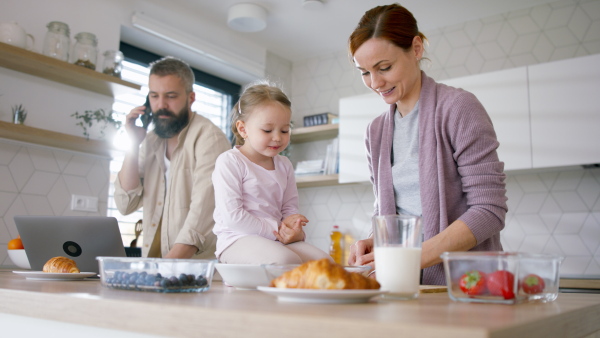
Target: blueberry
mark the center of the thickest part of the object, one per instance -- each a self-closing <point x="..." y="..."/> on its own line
<point x="165" y="283"/>
<point x="183" y="279"/>
<point x="201" y="281"/>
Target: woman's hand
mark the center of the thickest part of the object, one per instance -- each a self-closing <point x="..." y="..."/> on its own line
<point x="361" y="253"/>
<point x="290" y="230"/>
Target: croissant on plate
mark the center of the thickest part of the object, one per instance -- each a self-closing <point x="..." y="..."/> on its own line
<point x="323" y="274"/>
<point x="60" y="265"/>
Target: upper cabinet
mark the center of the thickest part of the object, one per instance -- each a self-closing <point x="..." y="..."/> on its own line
<point x="504" y="96"/>
<point x="42" y="66"/>
<point x="545" y="115"/>
<point x="565" y="112"/>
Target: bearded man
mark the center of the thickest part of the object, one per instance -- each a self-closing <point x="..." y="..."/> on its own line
<point x="167" y="170"/>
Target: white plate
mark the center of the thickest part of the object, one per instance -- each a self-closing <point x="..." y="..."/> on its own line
<point x="40" y="275"/>
<point x="321" y="296"/>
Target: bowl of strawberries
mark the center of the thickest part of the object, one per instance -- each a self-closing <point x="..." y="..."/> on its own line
<point x="501" y="277"/>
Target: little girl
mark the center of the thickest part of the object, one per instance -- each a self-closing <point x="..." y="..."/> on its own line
<point x="256" y="199"/>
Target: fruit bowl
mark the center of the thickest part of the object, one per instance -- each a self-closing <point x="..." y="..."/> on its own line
<point x="156" y="274"/>
<point x="19" y="258"/>
<point x="501" y="277"/>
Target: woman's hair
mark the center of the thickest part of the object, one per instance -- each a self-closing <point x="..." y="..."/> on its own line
<point x="253" y="96"/>
<point x="173" y="66"/>
<point x="391" y="22"/>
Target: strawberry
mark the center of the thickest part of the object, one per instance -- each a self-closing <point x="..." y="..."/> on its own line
<point x="473" y="283"/>
<point x="533" y="284"/>
<point x="501" y="283"/>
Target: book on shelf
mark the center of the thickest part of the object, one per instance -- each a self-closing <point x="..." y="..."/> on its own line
<point x="320" y="119"/>
<point x="332" y="158"/>
<point x="309" y="168"/>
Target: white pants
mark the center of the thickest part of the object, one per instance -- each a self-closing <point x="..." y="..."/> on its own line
<point x="259" y="250"/>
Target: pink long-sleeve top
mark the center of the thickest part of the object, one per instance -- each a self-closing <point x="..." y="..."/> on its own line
<point x="249" y="199"/>
<point x="460" y="174"/>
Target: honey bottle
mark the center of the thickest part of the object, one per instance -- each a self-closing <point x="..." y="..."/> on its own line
<point x="336" y="250"/>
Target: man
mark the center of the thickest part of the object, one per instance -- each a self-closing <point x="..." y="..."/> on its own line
<point x="170" y="173"/>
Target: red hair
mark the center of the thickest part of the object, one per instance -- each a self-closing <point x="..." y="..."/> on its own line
<point x="391" y="22"/>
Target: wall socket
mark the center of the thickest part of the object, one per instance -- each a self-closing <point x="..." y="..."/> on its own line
<point x="84" y="203"/>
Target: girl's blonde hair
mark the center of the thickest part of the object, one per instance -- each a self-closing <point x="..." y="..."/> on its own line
<point x="254" y="95"/>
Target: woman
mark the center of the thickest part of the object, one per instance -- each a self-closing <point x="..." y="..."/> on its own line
<point x="433" y="153"/>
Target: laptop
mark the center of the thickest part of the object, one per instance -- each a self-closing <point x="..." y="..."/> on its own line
<point x="80" y="238"/>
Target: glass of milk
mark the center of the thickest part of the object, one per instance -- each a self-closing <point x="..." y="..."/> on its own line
<point x="397" y="240"/>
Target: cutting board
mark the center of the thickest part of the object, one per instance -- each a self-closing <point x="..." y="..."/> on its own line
<point x="433" y="288"/>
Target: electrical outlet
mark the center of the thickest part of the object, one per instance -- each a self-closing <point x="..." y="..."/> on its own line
<point x="84" y="203"/>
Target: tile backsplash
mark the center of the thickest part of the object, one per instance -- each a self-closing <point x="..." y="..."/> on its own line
<point x="38" y="180"/>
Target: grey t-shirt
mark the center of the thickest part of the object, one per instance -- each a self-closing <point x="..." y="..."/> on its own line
<point x="405" y="163"/>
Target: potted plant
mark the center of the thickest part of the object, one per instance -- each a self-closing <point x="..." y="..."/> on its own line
<point x="99" y="116"/>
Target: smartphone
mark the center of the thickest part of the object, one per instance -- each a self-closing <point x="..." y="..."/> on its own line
<point x="147" y="117"/>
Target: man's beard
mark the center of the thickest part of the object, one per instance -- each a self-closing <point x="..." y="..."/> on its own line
<point x="169" y="127"/>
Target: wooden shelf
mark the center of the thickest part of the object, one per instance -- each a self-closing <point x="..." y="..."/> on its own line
<point x="19" y="132"/>
<point x="43" y="66"/>
<point x="316" y="181"/>
<point x="315" y="133"/>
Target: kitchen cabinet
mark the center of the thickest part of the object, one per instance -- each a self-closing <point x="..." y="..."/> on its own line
<point x="311" y="134"/>
<point x="45" y="67"/>
<point x="565" y="112"/>
<point x="356" y="112"/>
<point x="503" y="94"/>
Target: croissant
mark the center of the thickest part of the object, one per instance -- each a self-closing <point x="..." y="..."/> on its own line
<point x="60" y="265"/>
<point x="323" y="274"/>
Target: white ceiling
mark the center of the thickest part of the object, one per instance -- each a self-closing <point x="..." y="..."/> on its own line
<point x="296" y="33"/>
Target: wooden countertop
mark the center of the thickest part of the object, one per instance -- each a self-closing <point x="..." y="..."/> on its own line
<point x="224" y="312"/>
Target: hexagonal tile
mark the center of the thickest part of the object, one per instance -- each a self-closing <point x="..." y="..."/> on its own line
<point x="524" y="24"/>
<point x="569" y="201"/>
<point x="534" y="243"/>
<point x="506" y="38"/>
<point x="570" y="223"/>
<point x="40" y="183"/>
<point x="43" y="159"/>
<point x="532" y="224"/>
<point x="531" y="183"/>
<point x="579" y="23"/>
<point x="6" y="181"/>
<point x="531" y="203"/>
<point x="559" y="17"/>
<point x="8" y="150"/>
<point x="513" y="234"/>
<point x="21" y="168"/>
<point x="575" y="265"/>
<point x="561" y="37"/>
<point x="590" y="233"/>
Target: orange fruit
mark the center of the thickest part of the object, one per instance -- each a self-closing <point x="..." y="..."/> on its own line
<point x="15" y="244"/>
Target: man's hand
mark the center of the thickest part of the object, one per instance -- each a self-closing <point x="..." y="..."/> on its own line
<point x="361" y="253"/>
<point x="182" y="251"/>
<point x="136" y="134"/>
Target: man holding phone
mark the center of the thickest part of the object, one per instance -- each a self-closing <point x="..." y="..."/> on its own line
<point x="168" y="169"/>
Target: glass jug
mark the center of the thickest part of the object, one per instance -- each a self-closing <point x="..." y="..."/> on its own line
<point x="84" y="51"/>
<point x="57" y="41"/>
<point x="113" y="63"/>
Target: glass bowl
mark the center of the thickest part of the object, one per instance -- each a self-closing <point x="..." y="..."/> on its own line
<point x="504" y="277"/>
<point x="243" y="276"/>
<point x="156" y="274"/>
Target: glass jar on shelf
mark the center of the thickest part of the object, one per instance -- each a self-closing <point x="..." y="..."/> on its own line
<point x="85" y="52"/>
<point x="57" y="41"/>
<point x="113" y="63"/>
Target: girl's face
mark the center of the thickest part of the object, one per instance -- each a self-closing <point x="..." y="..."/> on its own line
<point x="266" y="131"/>
<point x="389" y="71"/>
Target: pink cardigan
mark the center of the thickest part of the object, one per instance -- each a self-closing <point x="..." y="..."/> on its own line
<point x="459" y="171"/>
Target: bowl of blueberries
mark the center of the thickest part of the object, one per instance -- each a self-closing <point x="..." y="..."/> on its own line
<point x="156" y="274"/>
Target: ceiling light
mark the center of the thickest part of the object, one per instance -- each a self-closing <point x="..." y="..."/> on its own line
<point x="247" y="17"/>
<point x="312" y="4"/>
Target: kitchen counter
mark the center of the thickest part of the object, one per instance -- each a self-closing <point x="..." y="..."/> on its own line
<point x="225" y="312"/>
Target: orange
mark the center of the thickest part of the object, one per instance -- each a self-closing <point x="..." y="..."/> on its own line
<point x="15" y="244"/>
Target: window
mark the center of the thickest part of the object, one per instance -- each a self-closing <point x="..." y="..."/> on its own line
<point x="214" y="99"/>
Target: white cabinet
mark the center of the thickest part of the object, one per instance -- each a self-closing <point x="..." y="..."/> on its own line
<point x="356" y="112"/>
<point x="503" y="94"/>
<point x="565" y="112"/>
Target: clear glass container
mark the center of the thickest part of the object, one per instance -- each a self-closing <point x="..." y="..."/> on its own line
<point x="112" y="63"/>
<point x="57" y="41"/>
<point x="85" y="51"/>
